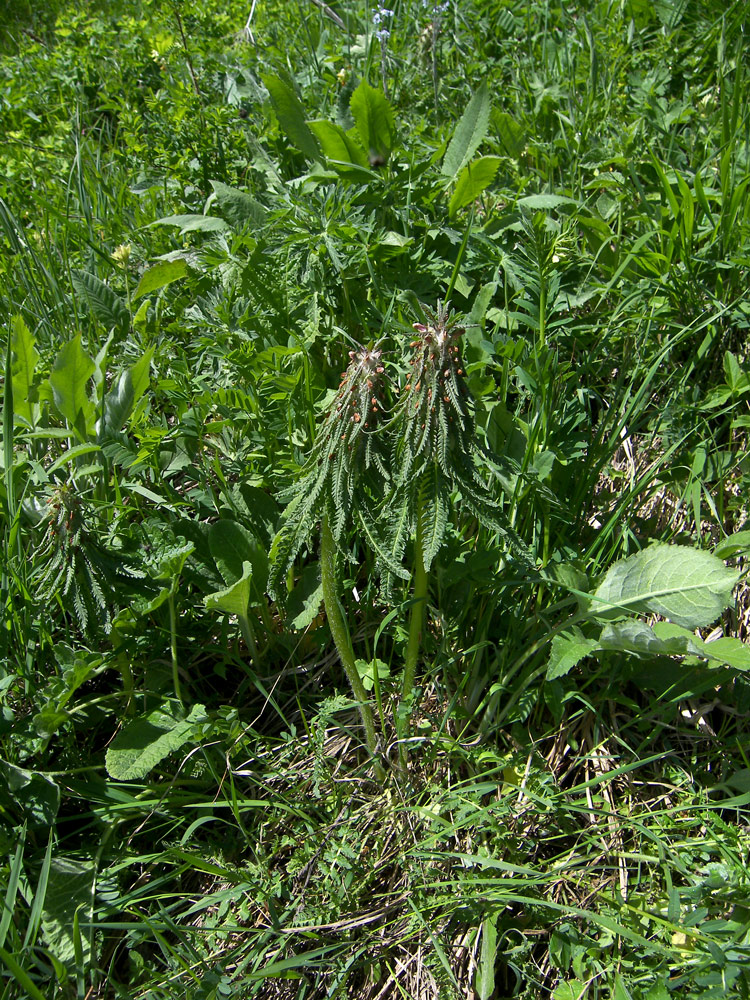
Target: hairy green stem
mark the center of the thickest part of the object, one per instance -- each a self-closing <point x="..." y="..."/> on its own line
<point x="173" y="648"/>
<point x="341" y="638"/>
<point x="416" y="623"/>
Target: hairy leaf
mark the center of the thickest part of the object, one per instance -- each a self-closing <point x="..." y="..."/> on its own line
<point x="142" y="744"/>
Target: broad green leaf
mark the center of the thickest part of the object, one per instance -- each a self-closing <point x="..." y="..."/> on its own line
<point x="25" y="358"/>
<point x="142" y="606"/>
<point x="124" y="394"/>
<point x="291" y="116"/>
<point x="573" y="989"/>
<point x="234" y="599"/>
<point x="106" y="305"/>
<point x="510" y="133"/>
<point x="469" y="133"/>
<point x="687" y="586"/>
<point x="567" y="651"/>
<point x="485" y="981"/>
<point x="346" y="155"/>
<point x="366" y="672"/>
<point x="637" y="637"/>
<point x="159" y="276"/>
<point x="34" y="795"/>
<point x="142" y="744"/>
<point x="232" y="545"/>
<point x="69" y="886"/>
<point x="238" y="207"/>
<point x="69" y="380"/>
<point x="537" y="202"/>
<point x="194" y="223"/>
<point x="373" y="116"/>
<point x="472" y="180"/>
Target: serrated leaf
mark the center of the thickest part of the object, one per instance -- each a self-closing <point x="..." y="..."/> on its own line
<point x="291" y="116"/>
<point x="687" y="586"/>
<point x="567" y="652"/>
<point x="106" y="305"/>
<point x="69" y="886"/>
<point x="472" y="180"/>
<point x="23" y="366"/>
<point x="340" y="148"/>
<point x="510" y="133"/>
<point x="373" y="116"/>
<point x="69" y="380"/>
<point x="142" y="744"/>
<point x="234" y="599"/>
<point x="159" y="276"/>
<point x="434" y="508"/>
<point x="303" y="604"/>
<point x="537" y="202"/>
<point x="192" y="223"/>
<point x="238" y="206"/>
<point x="469" y="133"/>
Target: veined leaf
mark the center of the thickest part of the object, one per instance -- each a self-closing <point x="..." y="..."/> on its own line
<point x="568" y="649"/>
<point x="511" y="134"/>
<point x="291" y="116"/>
<point x="145" y="742"/>
<point x="23" y="366"/>
<point x="373" y="116"/>
<point x="160" y="275"/>
<point x="69" y="380"/>
<point x="340" y="148"/>
<point x="105" y="304"/>
<point x="687" y="586"/>
<point x="232" y="546"/>
<point x="238" y="206"/>
<point x="234" y="599"/>
<point x="472" y="180"/>
<point x="192" y="223"/>
<point x="469" y="133"/>
<point x="124" y="394"/>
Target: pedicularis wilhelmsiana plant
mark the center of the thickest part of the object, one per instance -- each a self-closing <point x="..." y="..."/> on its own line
<point x="395" y="479"/>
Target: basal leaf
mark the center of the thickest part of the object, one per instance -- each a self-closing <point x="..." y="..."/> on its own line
<point x="232" y="545"/>
<point x="688" y="586"/>
<point x="192" y="223"/>
<point x="568" y="649"/>
<point x="238" y="207"/>
<point x="234" y="599"/>
<point x="69" y="380"/>
<point x="69" y="886"/>
<point x="291" y="116"/>
<point x="469" y="133"/>
<point x="159" y="276"/>
<point x="25" y="358"/>
<point x="511" y="134"/>
<point x="373" y="116"/>
<point x="344" y="154"/>
<point x="472" y="180"/>
<point x="142" y="744"/>
<point x="106" y="305"/>
<point x="127" y="389"/>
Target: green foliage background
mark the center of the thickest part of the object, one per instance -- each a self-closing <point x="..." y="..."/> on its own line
<point x="204" y="209"/>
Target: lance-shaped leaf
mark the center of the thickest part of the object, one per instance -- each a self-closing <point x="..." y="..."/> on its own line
<point x="160" y="275"/>
<point x="472" y="180"/>
<point x="25" y="358"/>
<point x="373" y="116"/>
<point x="469" y="133"/>
<point x="238" y="207"/>
<point x="69" y="380"/>
<point x="106" y="305"/>
<point x="291" y="116"/>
